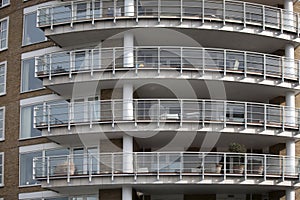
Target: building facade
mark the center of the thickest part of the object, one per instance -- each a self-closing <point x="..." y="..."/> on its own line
<point x="149" y="100"/>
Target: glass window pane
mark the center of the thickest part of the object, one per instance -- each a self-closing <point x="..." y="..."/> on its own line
<point x="26" y="168"/>
<point x="32" y="34"/>
<point x="2" y="120"/>
<point x="27" y="129"/>
<point x="3" y="34"/>
<point x="29" y="81"/>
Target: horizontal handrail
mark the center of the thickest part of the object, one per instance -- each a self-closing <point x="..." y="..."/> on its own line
<point x="231" y="11"/>
<point x="166" y="163"/>
<point x="165" y="110"/>
<point x="167" y="58"/>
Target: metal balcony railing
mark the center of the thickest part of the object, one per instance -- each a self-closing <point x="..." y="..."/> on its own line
<point x="180" y="59"/>
<point x="226" y="11"/>
<point x="159" y="111"/>
<point x="159" y="164"/>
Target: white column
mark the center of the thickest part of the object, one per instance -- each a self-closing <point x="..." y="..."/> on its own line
<point x="290" y="194"/>
<point x="126" y="193"/>
<point x="127" y="154"/>
<point x="290" y="160"/>
<point x="128" y="49"/>
<point x="128" y="101"/>
<point x="289" y="62"/>
<point x="288" y="15"/>
<point x="129" y="7"/>
<point x="290" y="114"/>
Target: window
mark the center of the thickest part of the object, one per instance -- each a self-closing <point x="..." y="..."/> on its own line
<point x="32" y="34"/>
<point x="2" y="78"/>
<point x="4" y="3"/>
<point x="26" y="168"/>
<point x="2" y="122"/>
<point x="29" y="81"/>
<point x="26" y="163"/>
<point x="1" y="169"/>
<point x="3" y="33"/>
<point x="27" y="126"/>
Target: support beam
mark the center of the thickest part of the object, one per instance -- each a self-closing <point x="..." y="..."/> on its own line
<point x="289" y="62"/>
<point x="127" y="101"/>
<point x="288" y="15"/>
<point x="129" y="8"/>
<point x="290" y="114"/>
<point x="290" y="160"/>
<point x="128" y="49"/>
<point x="290" y="194"/>
<point x="126" y="193"/>
<point x="127" y="154"/>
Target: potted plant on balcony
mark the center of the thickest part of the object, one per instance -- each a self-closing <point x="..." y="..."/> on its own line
<point x="238" y="160"/>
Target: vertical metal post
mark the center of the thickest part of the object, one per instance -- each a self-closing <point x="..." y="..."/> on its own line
<point x="158" y="114"/>
<point x="158" y="60"/>
<point x="203" y="166"/>
<point x="115" y="11"/>
<point x="245" y="14"/>
<point x="225" y="167"/>
<point x="72" y="13"/>
<point x="90" y="110"/>
<point x="265" y="167"/>
<point x="224" y="12"/>
<point x="159" y="10"/>
<point x="93" y="12"/>
<point x="265" y="116"/>
<point x="135" y="112"/>
<point x="49" y="116"/>
<point x="245" y="169"/>
<point x="224" y="114"/>
<point x="265" y="67"/>
<point x="283" y="118"/>
<point x="181" y="166"/>
<point x="246" y="115"/>
<point x="112" y="166"/>
<point x="203" y="15"/>
<point x="113" y="113"/>
<point x="281" y="20"/>
<point x="90" y="167"/>
<point x="157" y="161"/>
<point x="48" y="170"/>
<point x="225" y="64"/>
<point x="245" y="64"/>
<point x="137" y="11"/>
<point x="264" y="17"/>
<point x="50" y="67"/>
<point x="71" y="67"/>
<point x="92" y="62"/>
<point x="203" y="113"/>
<point x="51" y="19"/>
<point x="181" y="11"/>
<point x="68" y="168"/>
<point x="282" y="69"/>
<point x="181" y="112"/>
<point x="203" y="60"/>
<point x="114" y="61"/>
<point x="181" y="58"/>
<point x="69" y="115"/>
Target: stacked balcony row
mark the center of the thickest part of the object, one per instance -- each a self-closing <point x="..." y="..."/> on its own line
<point x="227" y="11"/>
<point x="166" y="110"/>
<point x="159" y="164"/>
<point x="180" y="59"/>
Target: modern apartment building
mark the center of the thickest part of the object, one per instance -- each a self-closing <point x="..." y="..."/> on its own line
<point x="149" y="100"/>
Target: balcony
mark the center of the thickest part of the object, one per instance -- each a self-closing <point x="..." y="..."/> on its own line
<point x="66" y="17"/>
<point x="196" y="63"/>
<point x="166" y="115"/>
<point x="166" y="167"/>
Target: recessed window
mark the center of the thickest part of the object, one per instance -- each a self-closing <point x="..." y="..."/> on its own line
<point x="2" y="78"/>
<point x="3" y="33"/>
<point x="32" y="34"/>
<point x="2" y="122"/>
<point x="27" y="126"/>
<point x="4" y="3"/>
<point x="26" y="168"/>
<point x="1" y="168"/>
<point x="29" y="81"/>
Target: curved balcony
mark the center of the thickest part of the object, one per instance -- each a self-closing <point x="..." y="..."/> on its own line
<point x="115" y="14"/>
<point x="167" y="114"/>
<point x="167" y="62"/>
<point x="167" y="167"/>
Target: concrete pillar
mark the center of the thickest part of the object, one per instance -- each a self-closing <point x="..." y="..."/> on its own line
<point x="290" y="160"/>
<point x="128" y="49"/>
<point x="127" y="154"/>
<point x="289" y="17"/>
<point x="289" y="69"/>
<point x="128" y="101"/>
<point x="129" y="7"/>
<point x="126" y="193"/>
<point x="290" y="114"/>
<point x="290" y="194"/>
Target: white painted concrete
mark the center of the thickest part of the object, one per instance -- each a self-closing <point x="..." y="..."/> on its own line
<point x="290" y="194"/>
<point x="127" y="156"/>
<point x="128" y="49"/>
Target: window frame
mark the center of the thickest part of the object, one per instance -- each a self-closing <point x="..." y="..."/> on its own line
<point x="7" y="33"/>
<point x="22" y="71"/>
<point x="2" y="6"/>
<point x="23" y="31"/>
<point x="2" y="179"/>
<point x="5" y="73"/>
<point x="3" y="126"/>
<point x="20" y="131"/>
